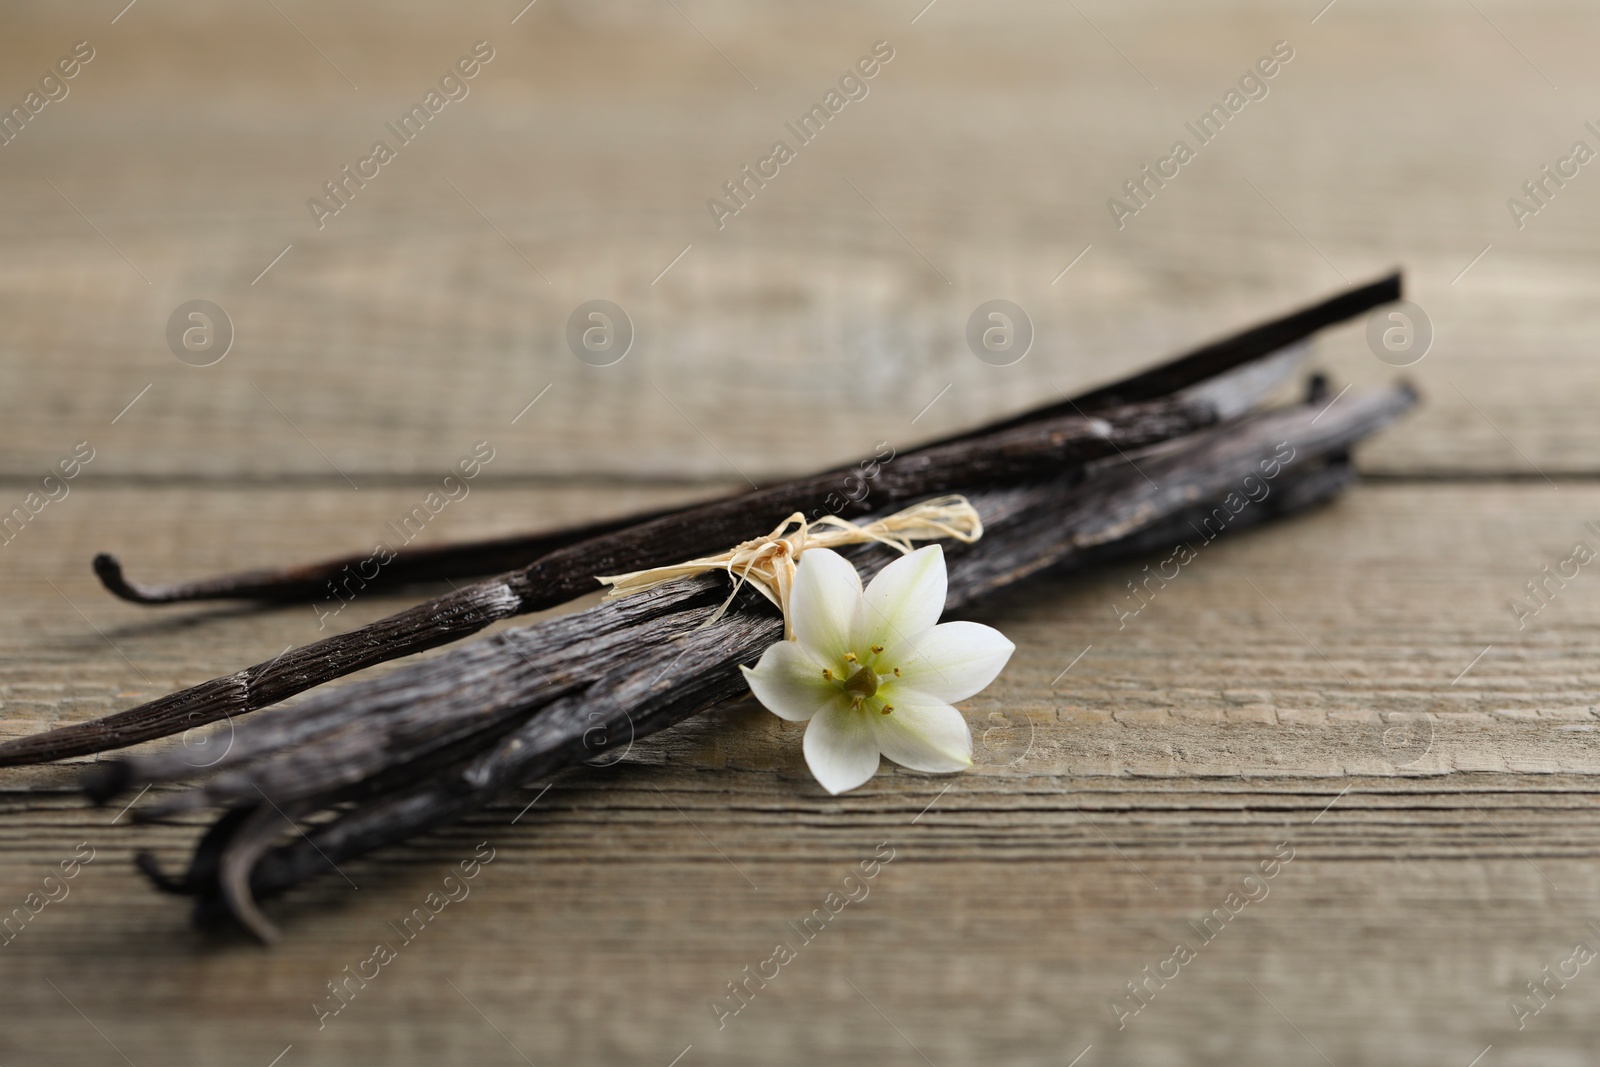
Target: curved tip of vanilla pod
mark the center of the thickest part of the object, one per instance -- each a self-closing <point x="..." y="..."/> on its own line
<point x="109" y="570"/>
<point x="250" y="916"/>
<point x="220" y="870"/>
<point x="104" y="781"/>
<point x="240" y="851"/>
<point x="233" y="879"/>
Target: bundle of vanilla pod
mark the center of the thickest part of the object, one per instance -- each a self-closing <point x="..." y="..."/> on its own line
<point x="1136" y="466"/>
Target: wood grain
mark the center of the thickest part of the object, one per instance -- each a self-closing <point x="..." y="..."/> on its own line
<point x="1115" y="803"/>
<point x="1185" y="746"/>
<point x="990" y="144"/>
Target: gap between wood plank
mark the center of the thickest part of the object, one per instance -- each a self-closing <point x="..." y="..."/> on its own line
<point x="620" y="480"/>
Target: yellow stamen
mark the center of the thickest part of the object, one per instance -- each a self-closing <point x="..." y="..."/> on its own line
<point x="877" y="650"/>
<point x="887" y="708"/>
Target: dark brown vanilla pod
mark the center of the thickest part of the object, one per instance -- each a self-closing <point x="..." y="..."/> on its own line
<point x="1219" y="357"/>
<point x="481" y="558"/>
<point x="395" y="755"/>
<point x="1229" y="352"/>
<point x="409" y="566"/>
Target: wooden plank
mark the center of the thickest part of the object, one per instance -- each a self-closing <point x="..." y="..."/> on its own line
<point x="1112" y="806"/>
<point x="424" y="318"/>
<point x="1005" y="946"/>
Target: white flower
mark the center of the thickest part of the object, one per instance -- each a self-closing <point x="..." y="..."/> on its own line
<point x="872" y="672"/>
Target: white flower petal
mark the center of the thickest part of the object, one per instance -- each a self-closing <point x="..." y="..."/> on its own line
<point x="954" y="660"/>
<point x="923" y="733"/>
<point x="840" y="748"/>
<point x="789" y="683"/>
<point x="823" y="603"/>
<point x="905" y="599"/>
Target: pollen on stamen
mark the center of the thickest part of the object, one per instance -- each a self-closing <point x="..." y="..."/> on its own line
<point x="877" y="650"/>
<point x="897" y="672"/>
<point x="827" y="674"/>
<point x="887" y="708"/>
<point x="850" y="657"/>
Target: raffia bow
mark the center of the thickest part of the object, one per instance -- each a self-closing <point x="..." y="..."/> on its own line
<point x="769" y="562"/>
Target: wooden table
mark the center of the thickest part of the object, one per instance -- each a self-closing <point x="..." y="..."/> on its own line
<point x="1350" y="689"/>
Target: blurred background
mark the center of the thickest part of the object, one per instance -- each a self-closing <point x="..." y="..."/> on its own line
<point x="427" y="313"/>
<point x="346" y="362"/>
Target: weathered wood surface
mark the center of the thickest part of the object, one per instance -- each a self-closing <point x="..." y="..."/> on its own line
<point x="1437" y="866"/>
<point x="592" y="141"/>
<point x="1185" y="746"/>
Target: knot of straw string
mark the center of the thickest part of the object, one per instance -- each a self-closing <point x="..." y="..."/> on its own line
<point x="769" y="562"/>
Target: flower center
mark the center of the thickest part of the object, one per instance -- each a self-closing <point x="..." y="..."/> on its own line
<point x="861" y="684"/>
